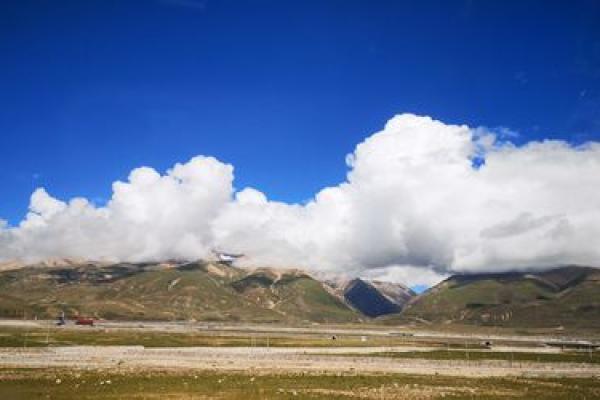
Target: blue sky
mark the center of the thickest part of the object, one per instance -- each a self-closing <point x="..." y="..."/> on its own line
<point x="281" y="90"/>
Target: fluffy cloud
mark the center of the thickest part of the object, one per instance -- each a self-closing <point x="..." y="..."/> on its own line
<point x="150" y="217"/>
<point x="422" y="199"/>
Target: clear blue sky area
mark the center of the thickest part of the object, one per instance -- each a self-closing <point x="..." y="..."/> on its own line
<point x="280" y="89"/>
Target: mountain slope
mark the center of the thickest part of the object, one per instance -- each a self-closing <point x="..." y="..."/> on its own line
<point x="396" y="292"/>
<point x="562" y="297"/>
<point x="567" y="297"/>
<point x="167" y="291"/>
<point x="293" y="293"/>
<point x="372" y="298"/>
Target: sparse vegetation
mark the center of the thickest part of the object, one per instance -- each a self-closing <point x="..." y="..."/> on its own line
<point x="149" y="292"/>
<point x="26" y="384"/>
<point x="566" y="298"/>
<point x="509" y="357"/>
<point x="19" y="337"/>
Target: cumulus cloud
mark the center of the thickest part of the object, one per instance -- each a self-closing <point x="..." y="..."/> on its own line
<point x="422" y="199"/>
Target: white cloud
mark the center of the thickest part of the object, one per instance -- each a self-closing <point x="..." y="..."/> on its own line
<point x="408" y="275"/>
<point x="412" y="207"/>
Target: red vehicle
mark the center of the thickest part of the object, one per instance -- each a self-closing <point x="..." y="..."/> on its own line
<point x="84" y="321"/>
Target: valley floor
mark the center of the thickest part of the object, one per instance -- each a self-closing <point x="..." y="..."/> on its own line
<point x="196" y="361"/>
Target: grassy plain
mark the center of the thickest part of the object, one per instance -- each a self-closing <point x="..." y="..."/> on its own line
<point x="28" y="384"/>
<point x="21" y="337"/>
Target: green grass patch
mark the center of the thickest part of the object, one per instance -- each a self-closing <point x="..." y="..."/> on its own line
<point x="88" y="336"/>
<point x="23" y="384"/>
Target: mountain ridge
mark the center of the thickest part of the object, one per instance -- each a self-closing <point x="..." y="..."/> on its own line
<point x="565" y="296"/>
<point x="197" y="290"/>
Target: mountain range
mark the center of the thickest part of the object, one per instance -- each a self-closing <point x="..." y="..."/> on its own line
<point x="212" y="291"/>
<point x="207" y="291"/>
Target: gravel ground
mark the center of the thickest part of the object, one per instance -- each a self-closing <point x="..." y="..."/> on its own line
<point x="269" y="360"/>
